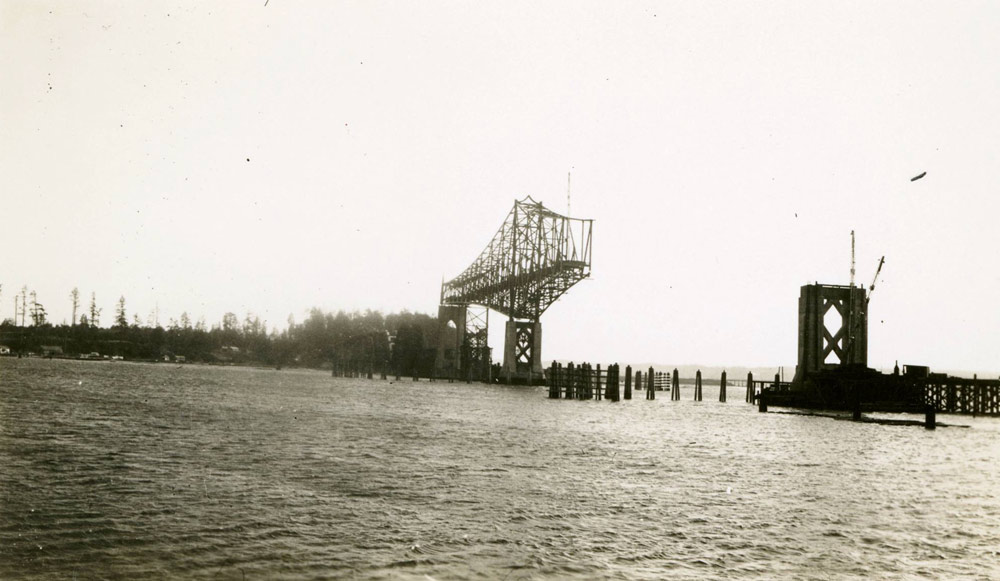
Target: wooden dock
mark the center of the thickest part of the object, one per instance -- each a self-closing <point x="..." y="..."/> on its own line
<point x="956" y="395"/>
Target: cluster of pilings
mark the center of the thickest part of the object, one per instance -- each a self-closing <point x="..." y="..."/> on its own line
<point x="586" y="381"/>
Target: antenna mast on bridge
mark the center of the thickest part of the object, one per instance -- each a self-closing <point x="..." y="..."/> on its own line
<point x="568" y="176"/>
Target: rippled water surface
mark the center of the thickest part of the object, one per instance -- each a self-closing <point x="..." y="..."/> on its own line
<point x="120" y="470"/>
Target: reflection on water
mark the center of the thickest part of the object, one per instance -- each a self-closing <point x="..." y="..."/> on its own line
<point x="119" y="470"/>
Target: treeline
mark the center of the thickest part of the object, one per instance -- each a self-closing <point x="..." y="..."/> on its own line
<point x="399" y="341"/>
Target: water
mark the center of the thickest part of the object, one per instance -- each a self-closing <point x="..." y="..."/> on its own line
<point x="120" y="470"/>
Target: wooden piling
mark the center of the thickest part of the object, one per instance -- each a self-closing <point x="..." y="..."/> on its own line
<point x="762" y="401"/>
<point x="617" y="381"/>
<point x="975" y="395"/>
<point x="628" y="382"/>
<point x="650" y="387"/>
<point x="616" y="386"/>
<point x="675" y="386"/>
<point x="596" y="388"/>
<point x="722" y="388"/>
<point x="608" y="391"/>
<point x="569" y="379"/>
<point x="930" y="417"/>
<point x="697" y="386"/>
<point x="750" y="387"/>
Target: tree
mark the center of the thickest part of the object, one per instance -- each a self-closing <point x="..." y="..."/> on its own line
<point x="252" y="326"/>
<point x="185" y="320"/>
<point x="136" y="320"/>
<point x="24" y="303"/>
<point x="75" y="296"/>
<point x="37" y="311"/>
<point x="230" y="322"/>
<point x="95" y="313"/>
<point x="121" y="319"/>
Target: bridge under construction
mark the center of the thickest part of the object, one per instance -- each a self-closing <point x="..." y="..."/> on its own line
<point x="533" y="259"/>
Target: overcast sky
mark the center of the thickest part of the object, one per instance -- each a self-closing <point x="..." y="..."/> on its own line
<point x="209" y="157"/>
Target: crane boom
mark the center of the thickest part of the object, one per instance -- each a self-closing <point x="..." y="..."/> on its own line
<point x="871" y="288"/>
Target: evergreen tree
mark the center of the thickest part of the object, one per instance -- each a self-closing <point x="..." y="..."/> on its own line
<point x="75" y="296"/>
<point x="121" y="319"/>
<point x="24" y="304"/>
<point x="95" y="313"/>
<point x="37" y="311"/>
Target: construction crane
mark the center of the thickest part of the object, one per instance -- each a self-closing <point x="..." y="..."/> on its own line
<point x="854" y="323"/>
<point x="871" y="288"/>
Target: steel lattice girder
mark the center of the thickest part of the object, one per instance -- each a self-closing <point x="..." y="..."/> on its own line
<point x="535" y="257"/>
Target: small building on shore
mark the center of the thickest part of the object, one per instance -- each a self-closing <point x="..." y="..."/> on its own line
<point x="4" y="350"/>
<point x="51" y="350"/>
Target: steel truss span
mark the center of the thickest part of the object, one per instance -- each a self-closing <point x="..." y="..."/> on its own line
<point x="535" y="257"/>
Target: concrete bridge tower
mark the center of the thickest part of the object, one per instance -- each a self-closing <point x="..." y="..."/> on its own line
<point x="833" y="328"/>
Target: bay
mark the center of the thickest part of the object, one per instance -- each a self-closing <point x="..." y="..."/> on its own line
<point x="118" y="470"/>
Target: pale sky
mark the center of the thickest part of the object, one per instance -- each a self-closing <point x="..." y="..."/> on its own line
<point x="725" y="150"/>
